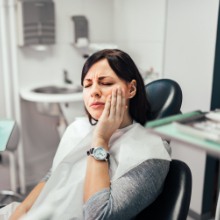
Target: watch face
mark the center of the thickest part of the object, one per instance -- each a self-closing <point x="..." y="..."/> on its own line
<point x="100" y="153"/>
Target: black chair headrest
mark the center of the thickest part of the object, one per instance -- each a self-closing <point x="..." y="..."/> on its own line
<point x="165" y="97"/>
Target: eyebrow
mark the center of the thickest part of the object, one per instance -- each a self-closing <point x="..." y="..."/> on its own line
<point x="99" y="78"/>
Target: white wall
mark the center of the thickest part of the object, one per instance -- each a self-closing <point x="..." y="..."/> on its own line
<point x="137" y="26"/>
<point x="139" y="30"/>
<point x="190" y="49"/>
<point x="40" y="67"/>
<point x="2" y="98"/>
<point x="189" y="59"/>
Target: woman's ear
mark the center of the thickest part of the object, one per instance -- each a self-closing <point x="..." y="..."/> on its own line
<point x="132" y="89"/>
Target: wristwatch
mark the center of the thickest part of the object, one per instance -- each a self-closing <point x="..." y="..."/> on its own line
<point x="99" y="153"/>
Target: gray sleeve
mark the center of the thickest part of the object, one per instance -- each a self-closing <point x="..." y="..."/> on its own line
<point x="129" y="194"/>
<point x="47" y="176"/>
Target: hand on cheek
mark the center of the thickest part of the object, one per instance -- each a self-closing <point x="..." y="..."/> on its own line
<point x="112" y="116"/>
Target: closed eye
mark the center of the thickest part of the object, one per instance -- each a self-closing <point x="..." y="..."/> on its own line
<point x="86" y="86"/>
<point x="106" y="83"/>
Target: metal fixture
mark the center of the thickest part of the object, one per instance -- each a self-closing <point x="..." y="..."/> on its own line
<point x="36" y="20"/>
<point x="66" y="77"/>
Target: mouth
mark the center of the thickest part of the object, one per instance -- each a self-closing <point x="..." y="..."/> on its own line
<point x="97" y="105"/>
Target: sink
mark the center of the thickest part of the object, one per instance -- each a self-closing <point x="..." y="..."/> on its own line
<point x="52" y="93"/>
<point x="50" y="97"/>
<point x="61" y="100"/>
<point x="57" y="90"/>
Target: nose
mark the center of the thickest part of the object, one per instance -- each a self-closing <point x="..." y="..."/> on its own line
<point x="95" y="91"/>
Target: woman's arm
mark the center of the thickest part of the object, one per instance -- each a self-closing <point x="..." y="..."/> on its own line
<point x="97" y="173"/>
<point x="129" y="194"/>
<point x="28" y="202"/>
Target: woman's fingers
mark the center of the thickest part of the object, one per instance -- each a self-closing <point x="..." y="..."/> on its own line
<point x="107" y="107"/>
<point x="113" y="103"/>
<point x="112" y="115"/>
<point x="121" y="104"/>
<point x="117" y="104"/>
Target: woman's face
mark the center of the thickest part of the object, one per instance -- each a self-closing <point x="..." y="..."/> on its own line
<point x="97" y="86"/>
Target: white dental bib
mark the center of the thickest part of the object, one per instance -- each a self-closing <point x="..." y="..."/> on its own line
<point x="62" y="196"/>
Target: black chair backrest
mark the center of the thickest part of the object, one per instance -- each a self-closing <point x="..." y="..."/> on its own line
<point x="165" y="97"/>
<point x="173" y="203"/>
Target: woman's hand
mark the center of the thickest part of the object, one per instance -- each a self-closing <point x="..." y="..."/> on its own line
<point x="111" y="118"/>
<point x="97" y="175"/>
<point x="25" y="206"/>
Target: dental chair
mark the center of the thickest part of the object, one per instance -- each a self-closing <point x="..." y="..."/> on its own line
<point x="10" y="152"/>
<point x="165" y="97"/>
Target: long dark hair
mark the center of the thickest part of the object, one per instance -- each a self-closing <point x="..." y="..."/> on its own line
<point x="125" y="68"/>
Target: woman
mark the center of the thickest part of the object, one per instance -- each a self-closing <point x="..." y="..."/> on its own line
<point x="111" y="168"/>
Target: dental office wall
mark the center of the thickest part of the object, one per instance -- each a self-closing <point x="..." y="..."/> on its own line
<point x="189" y="59"/>
<point x="139" y="28"/>
<point x="2" y="98"/>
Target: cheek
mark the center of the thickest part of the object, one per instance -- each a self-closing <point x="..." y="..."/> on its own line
<point x="85" y="98"/>
<point x="108" y="93"/>
<point x="126" y="91"/>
